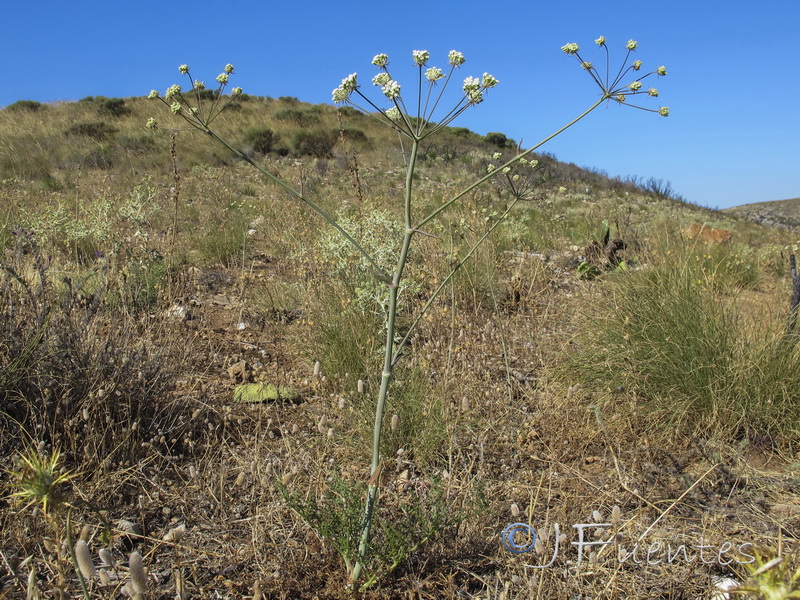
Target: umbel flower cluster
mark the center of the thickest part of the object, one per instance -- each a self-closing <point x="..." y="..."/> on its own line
<point x="206" y="106"/>
<point x="621" y="88"/>
<point x="428" y="94"/>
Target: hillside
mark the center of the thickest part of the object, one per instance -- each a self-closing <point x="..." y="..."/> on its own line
<point x="784" y="214"/>
<point x="191" y="358"/>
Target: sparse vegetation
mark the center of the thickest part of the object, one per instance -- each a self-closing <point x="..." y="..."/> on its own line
<point x="137" y="296"/>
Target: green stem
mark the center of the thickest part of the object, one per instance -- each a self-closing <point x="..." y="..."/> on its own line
<point x="75" y="566"/>
<point x="499" y="169"/>
<point x="386" y="375"/>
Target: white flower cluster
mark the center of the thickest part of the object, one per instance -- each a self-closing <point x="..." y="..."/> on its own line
<point x="349" y="84"/>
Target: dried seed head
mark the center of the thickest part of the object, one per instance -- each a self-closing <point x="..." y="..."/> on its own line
<point x="465" y="404"/>
<point x="538" y="546"/>
<point x="395" y="422"/>
<point x="317" y="368"/>
<point x="137" y="573"/>
<point x="104" y="577"/>
<point x="342" y="403"/>
<point x="360" y="386"/>
<point x="84" y="558"/>
<point x="106" y="557"/>
<point x="615" y="516"/>
<point x="514" y="509"/>
<point x="322" y="426"/>
<point x="597" y="516"/>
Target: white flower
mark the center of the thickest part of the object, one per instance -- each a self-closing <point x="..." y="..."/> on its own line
<point x="570" y="48"/>
<point x="151" y="123"/>
<point x="172" y="91"/>
<point x="199" y="85"/>
<point x="222" y="78"/>
<point x="340" y="95"/>
<point x="237" y="91"/>
<point x="471" y="84"/>
<point x="488" y="81"/>
<point x="391" y="89"/>
<point x="421" y="57"/>
<point x="601" y="41"/>
<point x="153" y="94"/>
<point x="455" y="58"/>
<point x="635" y="86"/>
<point x="350" y="82"/>
<point x="175" y="107"/>
<point x="434" y="74"/>
<point x="381" y="79"/>
<point x="632" y="44"/>
<point x="393" y="113"/>
<point x="184" y="69"/>
<point x="380" y="60"/>
<point x="497" y="155"/>
<point x="228" y="68"/>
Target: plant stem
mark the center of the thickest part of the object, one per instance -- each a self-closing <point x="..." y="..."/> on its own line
<point x="386" y="375"/>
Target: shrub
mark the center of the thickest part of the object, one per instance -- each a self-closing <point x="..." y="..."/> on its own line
<point x="496" y="139"/>
<point x="114" y="106"/>
<point x="27" y="105"/>
<point x="317" y="143"/>
<point x="298" y="117"/>
<point x="97" y="131"/>
<point x="687" y="356"/>
<point x="262" y="139"/>
<point x="354" y="135"/>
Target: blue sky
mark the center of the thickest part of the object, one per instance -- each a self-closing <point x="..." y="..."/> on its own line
<point x="733" y="135"/>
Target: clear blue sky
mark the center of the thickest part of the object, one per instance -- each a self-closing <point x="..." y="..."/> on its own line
<point x="733" y="86"/>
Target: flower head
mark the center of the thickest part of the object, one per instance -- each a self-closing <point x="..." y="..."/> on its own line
<point x="222" y="78"/>
<point x="421" y="57"/>
<point x="237" y="91"/>
<point x="637" y="64"/>
<point x="228" y="68"/>
<point x="497" y="155"/>
<point x="661" y="71"/>
<point x="380" y="60"/>
<point x="471" y="84"/>
<point x="570" y="48"/>
<point x="199" y="85"/>
<point x="664" y="111"/>
<point x="381" y="79"/>
<point x="350" y="82"/>
<point x="587" y="65"/>
<point x="152" y="95"/>
<point x="175" y="107"/>
<point x="172" y="90"/>
<point x="653" y="92"/>
<point x="393" y="113"/>
<point x="632" y="44"/>
<point x="151" y="123"/>
<point x="391" y="89"/>
<point x="434" y="74"/>
<point x="488" y="81"/>
<point x="184" y="69"/>
<point x="339" y="95"/>
<point x="455" y="58"/>
<point x="635" y="86"/>
<point x="601" y="41"/>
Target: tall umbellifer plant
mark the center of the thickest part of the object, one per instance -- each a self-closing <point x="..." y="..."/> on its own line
<point x="415" y="117"/>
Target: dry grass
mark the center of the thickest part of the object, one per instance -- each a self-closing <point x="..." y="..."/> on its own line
<point x="488" y="426"/>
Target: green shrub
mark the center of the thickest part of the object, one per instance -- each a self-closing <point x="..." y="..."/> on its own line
<point x="27" y="105"/>
<point x="262" y="139"/>
<point x="114" y="106"/>
<point x="97" y="131"/>
<point x="351" y="134"/>
<point x="317" y="142"/>
<point x="301" y="118"/>
<point x="687" y="356"/>
<point x="496" y="139"/>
